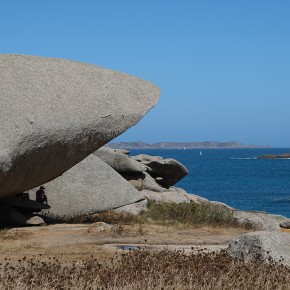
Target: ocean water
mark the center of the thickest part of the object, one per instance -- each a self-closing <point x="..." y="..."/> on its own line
<point x="235" y="176"/>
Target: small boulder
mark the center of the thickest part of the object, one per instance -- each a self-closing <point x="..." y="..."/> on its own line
<point x="262" y="245"/>
<point x="285" y="224"/>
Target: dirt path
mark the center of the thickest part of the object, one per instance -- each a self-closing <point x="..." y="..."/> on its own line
<point x="74" y="242"/>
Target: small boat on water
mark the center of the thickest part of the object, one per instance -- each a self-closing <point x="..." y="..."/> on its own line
<point x="200" y="153"/>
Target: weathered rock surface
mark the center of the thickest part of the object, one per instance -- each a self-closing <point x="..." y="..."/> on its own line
<point x="90" y="186"/>
<point x="263" y="244"/>
<point x="196" y="198"/>
<point x="119" y="161"/>
<point x="222" y="204"/>
<point x="56" y="112"/>
<point x="168" y="196"/>
<point x="134" y="208"/>
<point x="260" y="221"/>
<point x="149" y="183"/>
<point x="169" y="169"/>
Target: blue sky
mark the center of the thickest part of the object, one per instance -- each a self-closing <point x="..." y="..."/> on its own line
<point x="223" y="67"/>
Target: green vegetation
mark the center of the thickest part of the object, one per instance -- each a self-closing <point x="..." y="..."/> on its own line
<point x="172" y="214"/>
<point x="193" y="214"/>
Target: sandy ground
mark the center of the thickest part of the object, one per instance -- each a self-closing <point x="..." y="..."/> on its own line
<point x="74" y="242"/>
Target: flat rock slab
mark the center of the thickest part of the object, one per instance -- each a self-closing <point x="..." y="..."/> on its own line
<point x="24" y="204"/>
<point x="89" y="187"/>
<point x="56" y="112"/>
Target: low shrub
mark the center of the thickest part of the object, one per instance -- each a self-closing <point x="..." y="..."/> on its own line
<point x="204" y="214"/>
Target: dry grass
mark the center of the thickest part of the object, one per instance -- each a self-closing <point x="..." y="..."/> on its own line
<point x="75" y="268"/>
<point x="146" y="270"/>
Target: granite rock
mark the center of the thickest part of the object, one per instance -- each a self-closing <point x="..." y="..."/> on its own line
<point x="262" y="245"/>
<point x="169" y="169"/>
<point x="134" y="208"/>
<point x="260" y="221"/>
<point x="119" y="161"/>
<point x="89" y="187"/>
<point x="55" y="112"/>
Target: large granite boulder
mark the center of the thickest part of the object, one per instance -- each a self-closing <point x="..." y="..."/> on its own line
<point x="90" y="186"/>
<point x="56" y="112"/>
<point x="262" y="245"/>
<point x="169" y="169"/>
<point x="119" y="161"/>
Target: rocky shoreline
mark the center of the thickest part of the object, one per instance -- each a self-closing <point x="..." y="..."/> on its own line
<point x="55" y="123"/>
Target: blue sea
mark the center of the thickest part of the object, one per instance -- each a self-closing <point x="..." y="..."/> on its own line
<point x="235" y="176"/>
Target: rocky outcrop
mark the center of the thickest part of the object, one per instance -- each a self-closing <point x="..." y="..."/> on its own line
<point x="262" y="245"/>
<point x="141" y="176"/>
<point x="170" y="170"/>
<point x="259" y="221"/>
<point x="56" y="112"/>
<point x="173" y="194"/>
<point x="90" y="186"/>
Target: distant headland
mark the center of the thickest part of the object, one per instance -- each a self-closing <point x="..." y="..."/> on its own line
<point x="182" y="145"/>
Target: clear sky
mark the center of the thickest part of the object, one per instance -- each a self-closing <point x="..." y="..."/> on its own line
<point x="223" y="67"/>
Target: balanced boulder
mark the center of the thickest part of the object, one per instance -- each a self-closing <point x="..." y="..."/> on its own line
<point x="56" y="112"/>
<point x="89" y="187"/>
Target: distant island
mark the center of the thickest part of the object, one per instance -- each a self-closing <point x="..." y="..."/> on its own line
<point x="275" y="156"/>
<point x="182" y="145"/>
